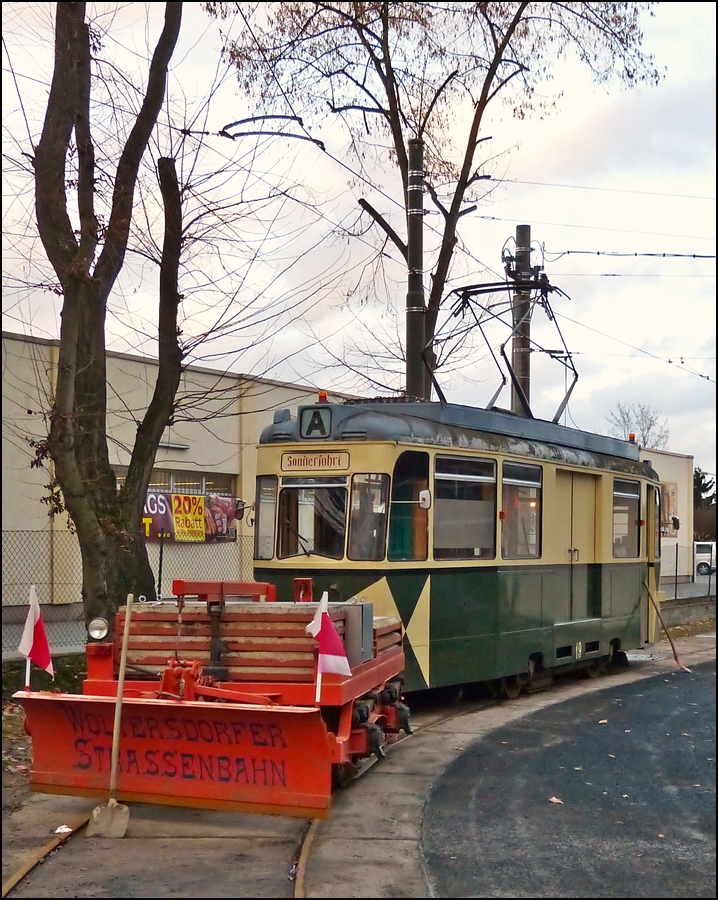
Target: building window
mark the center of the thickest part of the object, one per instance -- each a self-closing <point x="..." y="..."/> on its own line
<point x="464" y="508"/>
<point x="187" y="483"/>
<point x="166" y="481"/>
<point x="160" y="482"/>
<point x="223" y="485"/>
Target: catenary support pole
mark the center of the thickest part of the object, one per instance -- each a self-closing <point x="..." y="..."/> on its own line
<point x="521" y="343"/>
<point x="415" y="379"/>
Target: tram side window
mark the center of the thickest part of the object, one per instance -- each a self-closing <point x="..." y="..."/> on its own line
<point x="521" y="513"/>
<point x="656" y="523"/>
<point x="626" y="518"/>
<point x="266" y="507"/>
<point x="409" y="523"/>
<point x="464" y="508"/>
<point x="368" y="516"/>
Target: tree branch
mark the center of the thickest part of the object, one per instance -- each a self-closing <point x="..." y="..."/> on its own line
<point x="53" y="222"/>
<point x="386" y="227"/>
<point x="85" y="148"/>
<point x="111" y="259"/>
<point x="435" y="99"/>
<point x="150" y="430"/>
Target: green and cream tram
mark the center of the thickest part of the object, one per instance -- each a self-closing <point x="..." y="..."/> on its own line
<point x="507" y="546"/>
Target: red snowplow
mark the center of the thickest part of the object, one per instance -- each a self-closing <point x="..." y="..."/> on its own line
<point x="219" y="704"/>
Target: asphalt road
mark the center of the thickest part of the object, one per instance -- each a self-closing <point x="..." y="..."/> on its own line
<point x="452" y="811"/>
<point x="634" y="770"/>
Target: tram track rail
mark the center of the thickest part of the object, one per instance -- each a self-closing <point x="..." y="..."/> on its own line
<point x="297" y="869"/>
<point x="432" y="716"/>
<point x="447" y="712"/>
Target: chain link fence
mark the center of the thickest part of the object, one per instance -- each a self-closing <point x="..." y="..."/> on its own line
<point x="677" y="562"/>
<point x="52" y="562"/>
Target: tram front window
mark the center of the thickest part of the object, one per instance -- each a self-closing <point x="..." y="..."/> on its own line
<point x="266" y="507"/>
<point x="312" y="517"/>
<point x="367" y="518"/>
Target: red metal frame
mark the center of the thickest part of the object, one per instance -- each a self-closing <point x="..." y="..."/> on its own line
<point x="192" y="740"/>
<point x="215" y="591"/>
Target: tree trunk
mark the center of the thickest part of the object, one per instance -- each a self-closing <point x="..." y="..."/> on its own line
<point x="108" y="523"/>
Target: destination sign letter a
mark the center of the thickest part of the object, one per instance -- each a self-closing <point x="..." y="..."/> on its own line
<point x="316" y="423"/>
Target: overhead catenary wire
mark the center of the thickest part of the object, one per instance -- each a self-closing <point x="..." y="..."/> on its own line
<point x="585" y="187"/>
<point x="695" y="237"/>
<point x="554" y="255"/>
<point x="667" y="360"/>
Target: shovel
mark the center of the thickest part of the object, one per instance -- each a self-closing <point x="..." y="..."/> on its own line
<point x="111" y="819"/>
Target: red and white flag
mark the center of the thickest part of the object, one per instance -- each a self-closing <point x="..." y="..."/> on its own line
<point x="33" y="643"/>
<point x="332" y="655"/>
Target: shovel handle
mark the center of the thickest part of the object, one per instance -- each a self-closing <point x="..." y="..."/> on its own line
<point x="118" y="702"/>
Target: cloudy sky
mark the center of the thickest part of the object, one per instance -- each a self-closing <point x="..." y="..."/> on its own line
<point x="642" y="329"/>
<point x="608" y="183"/>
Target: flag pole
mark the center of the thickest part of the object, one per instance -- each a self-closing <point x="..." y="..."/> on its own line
<point x="27" y="674"/>
<point x="319" y="684"/>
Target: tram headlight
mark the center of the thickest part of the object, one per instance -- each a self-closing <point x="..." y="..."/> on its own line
<point x="98" y="629"/>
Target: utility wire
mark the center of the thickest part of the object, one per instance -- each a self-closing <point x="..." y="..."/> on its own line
<point x="668" y="360"/>
<point x="557" y="254"/>
<point x="598" y="228"/>
<point x="489" y="218"/>
<point x="584" y="187"/>
<point x="623" y="275"/>
<point x="340" y="162"/>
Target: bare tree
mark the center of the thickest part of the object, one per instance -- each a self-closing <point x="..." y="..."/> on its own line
<point x="87" y="262"/>
<point x="641" y="420"/>
<point x="395" y="71"/>
<point x="121" y="193"/>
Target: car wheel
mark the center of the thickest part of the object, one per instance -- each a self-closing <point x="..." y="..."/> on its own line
<point x="703" y="568"/>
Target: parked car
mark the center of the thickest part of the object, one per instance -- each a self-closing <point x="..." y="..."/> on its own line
<point x="705" y="556"/>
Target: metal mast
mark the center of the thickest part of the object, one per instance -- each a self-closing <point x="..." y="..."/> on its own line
<point x="415" y="377"/>
<point x="521" y="343"/>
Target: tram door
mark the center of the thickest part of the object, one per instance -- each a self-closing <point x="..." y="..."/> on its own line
<point x="653" y="549"/>
<point x="577" y="521"/>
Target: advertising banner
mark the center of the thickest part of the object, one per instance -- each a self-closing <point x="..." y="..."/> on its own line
<point x="190" y="518"/>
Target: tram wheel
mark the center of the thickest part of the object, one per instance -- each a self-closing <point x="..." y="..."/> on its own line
<point x="511" y="687"/>
<point x="342" y="774"/>
<point x="593" y="669"/>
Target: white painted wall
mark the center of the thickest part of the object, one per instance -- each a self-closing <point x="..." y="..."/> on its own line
<point x="676" y="473"/>
<point x="219" y="421"/>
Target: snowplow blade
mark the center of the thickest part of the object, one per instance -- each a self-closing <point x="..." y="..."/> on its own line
<point x="224" y="756"/>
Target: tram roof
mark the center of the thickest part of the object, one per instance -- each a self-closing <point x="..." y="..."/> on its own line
<point x="441" y="424"/>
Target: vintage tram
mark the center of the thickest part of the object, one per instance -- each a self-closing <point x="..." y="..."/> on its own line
<point x="509" y="547"/>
